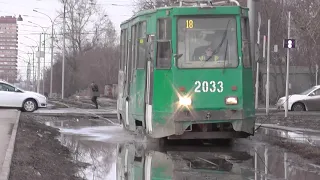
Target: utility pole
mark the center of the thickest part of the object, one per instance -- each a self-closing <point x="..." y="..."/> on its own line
<point x="252" y="12"/>
<point x="44" y="61"/>
<point x="38" y="75"/>
<point x="268" y="70"/>
<point x="258" y="65"/>
<point x="33" y="72"/>
<point x="64" y="47"/>
<point x="287" y="77"/>
<point x="264" y="55"/>
<point x="317" y="71"/>
<point x="51" y="71"/>
<point x="29" y="70"/>
<point x="28" y="75"/>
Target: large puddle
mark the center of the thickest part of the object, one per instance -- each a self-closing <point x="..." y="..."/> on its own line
<point x="114" y="154"/>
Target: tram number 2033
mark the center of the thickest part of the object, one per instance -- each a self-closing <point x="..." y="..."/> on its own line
<point x="206" y="86"/>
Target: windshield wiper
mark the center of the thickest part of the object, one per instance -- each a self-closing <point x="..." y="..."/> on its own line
<point x="225" y="56"/>
<point x="221" y="43"/>
<point x="177" y="56"/>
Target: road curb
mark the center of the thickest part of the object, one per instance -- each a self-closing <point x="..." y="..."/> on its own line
<point x="5" y="170"/>
<point x="286" y="128"/>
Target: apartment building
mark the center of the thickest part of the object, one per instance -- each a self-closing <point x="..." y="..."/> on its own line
<point x="8" y="48"/>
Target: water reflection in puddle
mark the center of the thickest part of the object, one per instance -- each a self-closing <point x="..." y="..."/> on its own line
<point x="101" y="157"/>
<point x="77" y="123"/>
<point x="117" y="155"/>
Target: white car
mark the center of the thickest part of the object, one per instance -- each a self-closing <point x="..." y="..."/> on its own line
<point x="308" y="100"/>
<point x="13" y="97"/>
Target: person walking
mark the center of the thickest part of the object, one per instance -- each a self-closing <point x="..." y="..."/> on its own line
<point x="95" y="93"/>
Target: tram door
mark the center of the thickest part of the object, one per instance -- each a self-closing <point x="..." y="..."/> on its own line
<point x="126" y="94"/>
<point x="149" y="83"/>
<point x="122" y="71"/>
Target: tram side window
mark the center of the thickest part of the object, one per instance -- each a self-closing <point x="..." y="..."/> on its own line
<point x="123" y="48"/>
<point x="134" y="45"/>
<point x="246" y="58"/>
<point x="164" y="43"/>
<point x="131" y="53"/>
<point x="142" y="34"/>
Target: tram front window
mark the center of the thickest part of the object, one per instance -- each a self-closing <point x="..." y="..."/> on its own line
<point x="207" y="42"/>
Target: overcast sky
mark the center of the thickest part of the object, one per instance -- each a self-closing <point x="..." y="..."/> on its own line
<point x="117" y="10"/>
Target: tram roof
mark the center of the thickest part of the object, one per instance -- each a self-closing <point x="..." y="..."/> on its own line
<point x="151" y="11"/>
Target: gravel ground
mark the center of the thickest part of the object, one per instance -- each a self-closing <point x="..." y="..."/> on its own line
<point x="38" y="155"/>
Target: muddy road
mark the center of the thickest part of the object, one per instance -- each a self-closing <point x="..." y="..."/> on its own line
<point x="108" y="149"/>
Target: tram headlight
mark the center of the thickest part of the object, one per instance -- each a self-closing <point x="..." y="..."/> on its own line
<point x="231" y="100"/>
<point x="185" y="101"/>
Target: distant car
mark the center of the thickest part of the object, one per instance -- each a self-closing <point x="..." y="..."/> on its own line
<point x="13" y="97"/>
<point x="308" y="100"/>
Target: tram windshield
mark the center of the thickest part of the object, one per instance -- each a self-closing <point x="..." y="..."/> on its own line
<point x="207" y="42"/>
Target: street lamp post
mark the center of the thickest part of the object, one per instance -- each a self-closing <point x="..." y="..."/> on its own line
<point x="28" y="68"/>
<point x="51" y="72"/>
<point x="44" y="57"/>
<point x="38" y="75"/>
<point x="44" y="61"/>
<point x="33" y="72"/>
<point x="288" y="68"/>
<point x="38" y="55"/>
<point x="33" y="69"/>
<point x="64" y="47"/>
<point x="28" y="75"/>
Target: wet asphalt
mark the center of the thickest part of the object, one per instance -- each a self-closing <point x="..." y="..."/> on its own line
<point x="115" y="154"/>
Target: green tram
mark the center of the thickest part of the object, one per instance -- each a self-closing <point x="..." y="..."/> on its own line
<point x="186" y="72"/>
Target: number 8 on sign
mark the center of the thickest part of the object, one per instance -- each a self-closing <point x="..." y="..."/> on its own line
<point x="289" y="44"/>
<point x="189" y="24"/>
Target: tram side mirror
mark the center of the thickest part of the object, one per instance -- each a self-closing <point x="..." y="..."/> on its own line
<point x="177" y="56"/>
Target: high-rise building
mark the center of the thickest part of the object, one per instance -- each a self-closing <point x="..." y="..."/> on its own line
<point x="8" y="48"/>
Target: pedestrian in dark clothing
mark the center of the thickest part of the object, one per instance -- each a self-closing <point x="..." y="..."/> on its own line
<point x="95" y="93"/>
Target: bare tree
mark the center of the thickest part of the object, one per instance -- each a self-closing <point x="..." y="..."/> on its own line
<point x="91" y="47"/>
<point x="103" y="66"/>
<point x="150" y="4"/>
<point x="305" y="17"/>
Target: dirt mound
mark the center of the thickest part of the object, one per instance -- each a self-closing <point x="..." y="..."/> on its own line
<point x="38" y="155"/>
